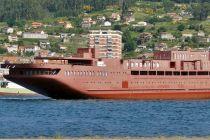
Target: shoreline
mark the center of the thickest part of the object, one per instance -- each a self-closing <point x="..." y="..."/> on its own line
<point x="17" y="94"/>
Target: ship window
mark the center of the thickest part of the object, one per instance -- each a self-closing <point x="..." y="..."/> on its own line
<point x="143" y="72"/>
<point x="176" y="72"/>
<point x="160" y="73"/>
<point x="184" y="73"/>
<point x="154" y="64"/>
<point x="134" y="72"/>
<point x="152" y="72"/>
<point x="132" y="64"/>
<point x="192" y="73"/>
<point x="172" y="64"/>
<point x="202" y="73"/>
<point x="168" y="73"/>
<point x="106" y="73"/>
<point x="140" y="65"/>
<point x="157" y="65"/>
<point x="136" y="64"/>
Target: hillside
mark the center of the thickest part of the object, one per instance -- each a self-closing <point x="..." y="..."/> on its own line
<point x="147" y="25"/>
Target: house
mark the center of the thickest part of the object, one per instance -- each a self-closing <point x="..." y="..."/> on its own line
<point x="161" y="46"/>
<point x="140" y="47"/>
<point x="63" y="35"/>
<point x="12" y="38"/>
<point x="35" y="35"/>
<point x="208" y="39"/>
<point x="128" y="19"/>
<point x="32" y="49"/>
<point x="101" y="18"/>
<point x="8" y="30"/>
<point x="28" y="49"/>
<point x="19" y="33"/>
<point x="65" y="40"/>
<point x="115" y="17"/>
<point x="61" y="22"/>
<point x="64" y="48"/>
<point x="167" y="36"/>
<point x="142" y="23"/>
<point x="88" y="22"/>
<point x="36" y="24"/>
<point x="144" y="37"/>
<point x="12" y="49"/>
<point x="186" y="35"/>
<point x="68" y="25"/>
<point x="201" y="34"/>
<point x="203" y="39"/>
<point x="175" y="17"/>
<point x="44" y="44"/>
<point x="186" y="14"/>
<point x="107" y="24"/>
<point x="43" y="53"/>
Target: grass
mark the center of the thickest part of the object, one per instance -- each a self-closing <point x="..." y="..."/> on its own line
<point x="76" y="42"/>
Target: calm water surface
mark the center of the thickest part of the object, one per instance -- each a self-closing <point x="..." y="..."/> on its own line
<point x="38" y="116"/>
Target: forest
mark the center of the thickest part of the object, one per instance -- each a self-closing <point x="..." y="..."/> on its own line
<point x="38" y="9"/>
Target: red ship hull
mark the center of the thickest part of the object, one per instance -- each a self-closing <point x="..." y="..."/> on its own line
<point x="134" y="79"/>
<point x="56" y="89"/>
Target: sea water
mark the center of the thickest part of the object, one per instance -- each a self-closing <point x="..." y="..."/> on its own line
<point x="36" y="116"/>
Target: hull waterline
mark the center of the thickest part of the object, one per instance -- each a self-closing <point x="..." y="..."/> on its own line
<point x="55" y="89"/>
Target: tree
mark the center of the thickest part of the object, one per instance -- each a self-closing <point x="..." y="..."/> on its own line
<point x="2" y="50"/>
<point x="11" y="22"/>
<point x="181" y="27"/>
<point x="29" y="54"/>
<point x="129" y="42"/>
<point x="138" y="29"/>
<point x="168" y="5"/>
<point x="177" y="34"/>
<point x="152" y="19"/>
<point x="200" y="10"/>
<point x="117" y="27"/>
<point x="161" y="29"/>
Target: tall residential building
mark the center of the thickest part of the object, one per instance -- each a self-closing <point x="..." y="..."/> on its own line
<point x="106" y="43"/>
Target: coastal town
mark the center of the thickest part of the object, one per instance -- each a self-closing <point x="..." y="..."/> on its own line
<point x="146" y="27"/>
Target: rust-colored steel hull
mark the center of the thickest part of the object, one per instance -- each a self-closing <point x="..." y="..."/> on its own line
<point x="56" y="89"/>
<point x="155" y="96"/>
<point x="114" y="82"/>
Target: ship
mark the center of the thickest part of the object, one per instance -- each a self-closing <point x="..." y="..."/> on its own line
<point x="99" y="72"/>
<point x="170" y="75"/>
